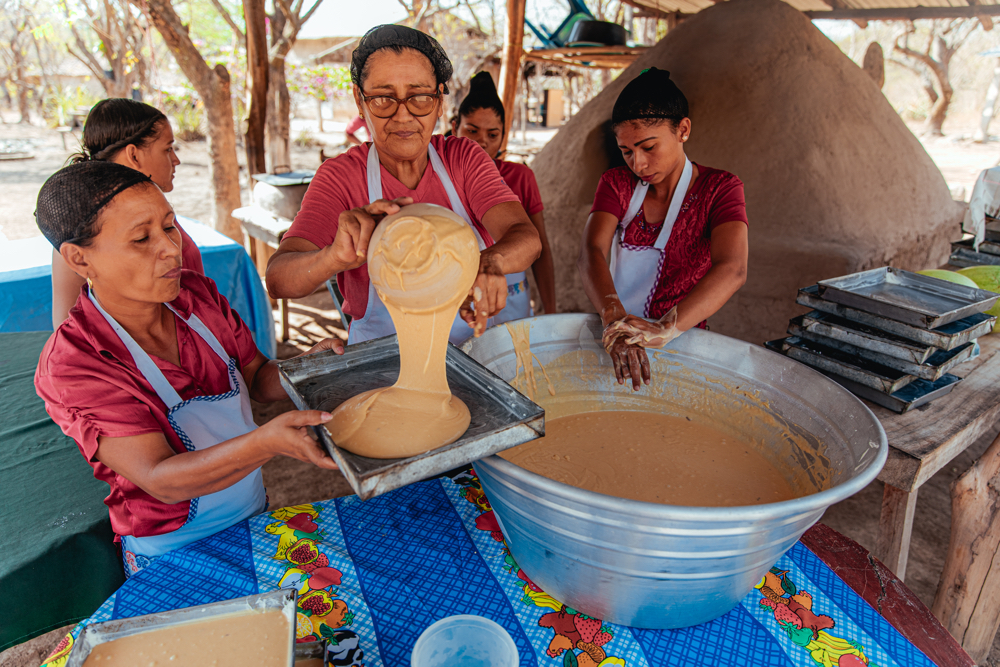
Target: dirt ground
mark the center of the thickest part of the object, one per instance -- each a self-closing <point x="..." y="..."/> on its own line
<point x="290" y="482"/>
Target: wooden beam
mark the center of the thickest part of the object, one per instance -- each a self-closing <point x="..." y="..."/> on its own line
<point x="906" y="13"/>
<point x="840" y="4"/>
<point x="892" y="545"/>
<point x="257" y="70"/>
<point x="510" y="63"/>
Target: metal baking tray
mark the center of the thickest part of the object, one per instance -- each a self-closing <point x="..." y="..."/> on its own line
<point x="913" y="395"/>
<point x="936" y="365"/>
<point x="908" y="297"/>
<point x="860" y="335"/>
<point x="100" y="633"/>
<point x="963" y="255"/>
<point x="946" y="337"/>
<point x="822" y="357"/>
<point x="501" y="416"/>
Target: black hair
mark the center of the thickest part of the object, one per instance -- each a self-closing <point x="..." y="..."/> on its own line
<point x="396" y="38"/>
<point x="650" y="97"/>
<point x="71" y="200"/>
<point x="114" y="123"/>
<point x="482" y="95"/>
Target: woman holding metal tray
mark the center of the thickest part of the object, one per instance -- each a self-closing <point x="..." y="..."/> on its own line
<point x="676" y="232"/>
<point x="152" y="372"/>
<point x="400" y="77"/>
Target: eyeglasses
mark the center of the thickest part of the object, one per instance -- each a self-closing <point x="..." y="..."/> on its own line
<point x="385" y="106"/>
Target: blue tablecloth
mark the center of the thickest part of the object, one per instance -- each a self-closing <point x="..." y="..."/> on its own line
<point x="26" y="283"/>
<point x="373" y="575"/>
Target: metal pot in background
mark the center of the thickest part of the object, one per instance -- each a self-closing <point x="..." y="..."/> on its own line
<point x="660" y="566"/>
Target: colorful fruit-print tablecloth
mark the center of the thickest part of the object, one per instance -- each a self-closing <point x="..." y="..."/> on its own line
<point x="372" y="575"/>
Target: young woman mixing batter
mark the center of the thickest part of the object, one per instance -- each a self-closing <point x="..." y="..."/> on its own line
<point x="676" y="231"/>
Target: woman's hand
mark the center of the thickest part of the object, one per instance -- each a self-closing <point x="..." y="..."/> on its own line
<point x="488" y="295"/>
<point x="349" y="249"/>
<point x="334" y="344"/>
<point x="289" y="435"/>
<point x="638" y="331"/>
<point x="626" y="341"/>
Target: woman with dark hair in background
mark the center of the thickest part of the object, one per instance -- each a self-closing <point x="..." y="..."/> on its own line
<point x="135" y="135"/>
<point x="481" y="118"/>
<point x="676" y="232"/>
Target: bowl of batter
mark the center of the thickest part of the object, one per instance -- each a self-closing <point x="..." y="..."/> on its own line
<point x="663" y="508"/>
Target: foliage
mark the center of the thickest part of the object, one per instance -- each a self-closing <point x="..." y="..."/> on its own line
<point x="188" y="113"/>
<point x="61" y="102"/>
<point x="320" y="82"/>
<point x="306" y="140"/>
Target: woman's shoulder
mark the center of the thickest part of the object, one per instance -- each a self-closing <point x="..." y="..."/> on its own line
<point x="348" y="161"/>
<point x="514" y="170"/>
<point x="620" y="179"/>
<point x="457" y="149"/>
<point x="711" y="176"/>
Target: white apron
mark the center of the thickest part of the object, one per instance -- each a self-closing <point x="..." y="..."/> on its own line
<point x="200" y="422"/>
<point x="636" y="270"/>
<point x="377" y="323"/>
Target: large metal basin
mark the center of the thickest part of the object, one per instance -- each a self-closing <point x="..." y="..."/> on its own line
<point x="663" y="566"/>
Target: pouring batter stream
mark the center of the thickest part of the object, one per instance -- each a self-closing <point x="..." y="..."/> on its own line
<point x="422" y="261"/>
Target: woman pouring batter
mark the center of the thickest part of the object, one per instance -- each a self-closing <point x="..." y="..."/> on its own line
<point x="400" y="76"/>
<point x="152" y="372"/>
<point x="676" y="232"/>
<point x="481" y="118"/>
<point x="135" y="135"/>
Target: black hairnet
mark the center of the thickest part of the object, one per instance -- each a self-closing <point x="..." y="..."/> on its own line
<point x="72" y="198"/>
<point x="398" y="37"/>
<point x="650" y="96"/>
<point x="482" y="95"/>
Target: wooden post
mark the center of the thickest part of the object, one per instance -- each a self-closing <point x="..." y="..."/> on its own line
<point x="257" y="70"/>
<point x="968" y="596"/>
<point x="982" y="134"/>
<point x="894" y="528"/>
<point x="510" y="64"/>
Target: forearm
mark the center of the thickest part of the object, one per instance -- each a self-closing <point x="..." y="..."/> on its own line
<point x="545" y="278"/>
<point x="516" y="251"/>
<point x="599" y="285"/>
<point x="266" y="387"/>
<point x="296" y="274"/>
<point x="710" y="294"/>
<point x="192" y="474"/>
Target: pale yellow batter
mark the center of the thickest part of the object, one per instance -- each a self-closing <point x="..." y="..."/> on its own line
<point x="652" y="458"/>
<point x="422" y="261"/>
<point x="262" y="639"/>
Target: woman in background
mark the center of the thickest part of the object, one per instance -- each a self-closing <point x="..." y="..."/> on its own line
<point x="481" y="118"/>
<point x="135" y="135"/>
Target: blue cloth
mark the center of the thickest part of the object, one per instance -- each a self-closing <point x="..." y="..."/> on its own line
<point x="373" y="575"/>
<point x="26" y="283"/>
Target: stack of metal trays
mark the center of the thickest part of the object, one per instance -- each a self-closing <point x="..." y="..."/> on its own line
<point x="964" y="253"/>
<point x="887" y="335"/>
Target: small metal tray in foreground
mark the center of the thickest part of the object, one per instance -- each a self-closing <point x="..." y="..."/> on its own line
<point x="501" y="416"/>
<point x="907" y="297"/>
<point x="91" y="636"/>
<point x="946" y="337"/>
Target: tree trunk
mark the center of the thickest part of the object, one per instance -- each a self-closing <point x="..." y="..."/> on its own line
<point x="213" y="87"/>
<point x="257" y="71"/>
<point x="278" y="101"/>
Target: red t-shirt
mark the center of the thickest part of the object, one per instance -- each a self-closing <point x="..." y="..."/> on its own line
<point x="92" y="388"/>
<point x="716" y="197"/>
<point x="354" y="125"/>
<point x="190" y="255"/>
<point x="521" y="180"/>
<point x="341" y="184"/>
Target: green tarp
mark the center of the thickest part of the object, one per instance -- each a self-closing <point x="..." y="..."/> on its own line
<point x="58" y="562"/>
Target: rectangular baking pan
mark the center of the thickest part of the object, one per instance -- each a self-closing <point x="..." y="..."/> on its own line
<point x="907" y="297"/>
<point x="822" y="357"/>
<point x="963" y="255"/>
<point x="936" y="365"/>
<point x="946" y="337"/>
<point x="100" y="633"/>
<point x="860" y="335"/>
<point x="917" y="393"/>
<point x="501" y="416"/>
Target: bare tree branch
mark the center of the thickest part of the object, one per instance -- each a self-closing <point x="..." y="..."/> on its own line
<point x="228" y="18"/>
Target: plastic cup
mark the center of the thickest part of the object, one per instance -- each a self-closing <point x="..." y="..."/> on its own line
<point x="464" y="641"/>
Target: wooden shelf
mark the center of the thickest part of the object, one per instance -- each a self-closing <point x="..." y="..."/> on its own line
<point x="600" y="57"/>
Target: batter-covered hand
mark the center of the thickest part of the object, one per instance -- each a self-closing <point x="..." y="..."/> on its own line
<point x="487" y="297"/>
<point x="631" y="362"/>
<point x="638" y="331"/>
<point x="354" y="229"/>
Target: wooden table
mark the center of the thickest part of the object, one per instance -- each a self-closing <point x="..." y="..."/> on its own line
<point x="887" y="594"/>
<point x="925" y="440"/>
